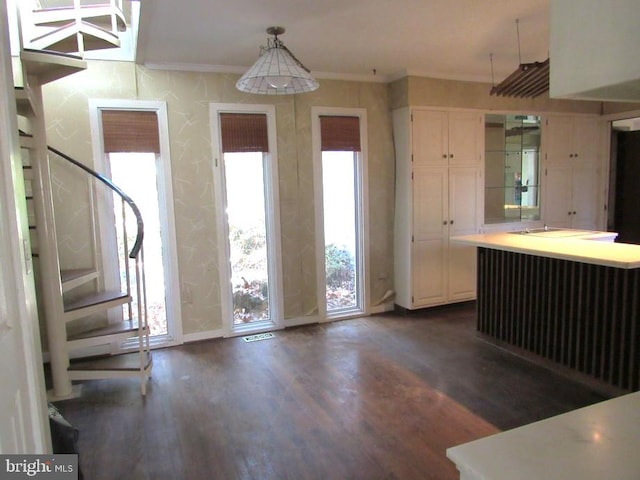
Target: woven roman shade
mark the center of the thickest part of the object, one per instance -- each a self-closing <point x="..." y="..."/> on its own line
<point x="340" y="134"/>
<point x="130" y="131"/>
<point x="244" y="132"/>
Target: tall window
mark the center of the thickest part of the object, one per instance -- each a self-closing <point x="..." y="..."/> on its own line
<point x="133" y="134"/>
<point x="340" y="170"/>
<point x="247" y="177"/>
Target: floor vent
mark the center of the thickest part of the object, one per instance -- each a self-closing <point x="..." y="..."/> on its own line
<point x="258" y="336"/>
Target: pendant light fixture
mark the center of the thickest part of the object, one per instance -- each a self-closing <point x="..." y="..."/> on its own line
<point x="277" y="71"/>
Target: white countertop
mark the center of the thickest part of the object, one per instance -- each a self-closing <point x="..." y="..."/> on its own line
<point x="574" y="245"/>
<point x="598" y="442"/>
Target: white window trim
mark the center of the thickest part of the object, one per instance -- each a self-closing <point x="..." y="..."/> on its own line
<point x="272" y="206"/>
<point x="361" y="113"/>
<point x="167" y="217"/>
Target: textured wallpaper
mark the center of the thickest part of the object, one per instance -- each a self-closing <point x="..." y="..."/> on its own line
<point x="188" y="96"/>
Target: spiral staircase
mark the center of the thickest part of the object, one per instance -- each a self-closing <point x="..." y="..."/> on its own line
<point x="79" y="313"/>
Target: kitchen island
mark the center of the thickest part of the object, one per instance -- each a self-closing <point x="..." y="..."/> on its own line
<point x="592" y="443"/>
<point x="564" y="297"/>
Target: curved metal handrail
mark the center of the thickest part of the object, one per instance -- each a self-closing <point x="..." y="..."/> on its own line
<point x="137" y="245"/>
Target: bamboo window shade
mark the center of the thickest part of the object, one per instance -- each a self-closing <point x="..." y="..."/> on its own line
<point x="244" y="132"/>
<point x="130" y="131"/>
<point x="340" y="134"/>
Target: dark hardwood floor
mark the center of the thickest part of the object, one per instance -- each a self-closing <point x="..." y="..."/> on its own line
<point x="380" y="397"/>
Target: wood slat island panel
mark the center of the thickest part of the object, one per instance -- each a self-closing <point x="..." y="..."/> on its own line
<point x="578" y="315"/>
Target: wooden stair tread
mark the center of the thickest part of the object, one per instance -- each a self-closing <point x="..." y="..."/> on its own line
<point x="75" y="277"/>
<point x="99" y="13"/>
<point x="97" y="299"/>
<point x="24" y="104"/>
<point x="116" y="363"/>
<point x="126" y="326"/>
<point x="49" y="66"/>
<point x="74" y="274"/>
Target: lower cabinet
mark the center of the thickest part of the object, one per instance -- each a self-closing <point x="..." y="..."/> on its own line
<point x="570" y="197"/>
<point x="430" y="268"/>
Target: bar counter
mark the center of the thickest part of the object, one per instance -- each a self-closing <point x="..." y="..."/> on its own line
<point x="565" y="298"/>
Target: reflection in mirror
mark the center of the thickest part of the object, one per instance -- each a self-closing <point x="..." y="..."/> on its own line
<point x="512" y="168"/>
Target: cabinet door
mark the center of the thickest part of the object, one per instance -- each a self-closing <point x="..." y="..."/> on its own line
<point x="430" y="137"/>
<point x="466" y="138"/>
<point x="557" y="203"/>
<point x="557" y="137"/>
<point x="430" y="227"/>
<point x="465" y="188"/>
<point x="586" y="140"/>
<point x="465" y="192"/>
<point x="585" y="197"/>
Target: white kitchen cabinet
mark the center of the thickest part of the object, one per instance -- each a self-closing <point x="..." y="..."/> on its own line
<point x="572" y="139"/>
<point x="572" y="190"/>
<point x="438" y="195"/>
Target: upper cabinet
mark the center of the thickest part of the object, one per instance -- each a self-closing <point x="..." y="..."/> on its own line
<point x="446" y="138"/>
<point x="571" y="139"/>
<point x="572" y="183"/>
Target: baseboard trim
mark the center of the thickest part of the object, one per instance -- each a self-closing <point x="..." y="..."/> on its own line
<point x="199" y="336"/>
<point x="304" y="320"/>
<point x="385" y="307"/>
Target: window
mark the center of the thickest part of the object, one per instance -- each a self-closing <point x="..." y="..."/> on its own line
<point x="339" y="164"/>
<point x="131" y="147"/>
<point x="246" y="177"/>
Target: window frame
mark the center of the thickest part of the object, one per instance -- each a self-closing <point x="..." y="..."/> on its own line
<point x="272" y="220"/>
<point x="362" y="263"/>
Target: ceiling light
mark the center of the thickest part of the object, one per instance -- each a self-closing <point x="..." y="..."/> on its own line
<point x="277" y="71"/>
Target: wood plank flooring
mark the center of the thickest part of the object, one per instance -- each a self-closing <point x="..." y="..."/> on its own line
<point x="380" y="397"/>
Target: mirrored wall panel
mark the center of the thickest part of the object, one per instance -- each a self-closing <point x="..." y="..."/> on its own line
<point x="512" y="168"/>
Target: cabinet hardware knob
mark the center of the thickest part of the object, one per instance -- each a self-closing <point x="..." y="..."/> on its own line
<point x="574" y="212"/>
<point x="451" y="155"/>
<point x="444" y="155"/>
<point x="450" y="222"/>
<point x="444" y="222"/>
<point x="568" y="213"/>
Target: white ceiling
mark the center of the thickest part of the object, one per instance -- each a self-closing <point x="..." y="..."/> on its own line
<point x="349" y="38"/>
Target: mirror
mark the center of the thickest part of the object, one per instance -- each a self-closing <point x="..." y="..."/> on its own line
<point x="512" y="168"/>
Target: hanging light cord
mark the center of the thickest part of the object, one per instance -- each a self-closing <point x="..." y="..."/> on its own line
<point x="518" y="35"/>
<point x="493" y="80"/>
<point x="275" y="42"/>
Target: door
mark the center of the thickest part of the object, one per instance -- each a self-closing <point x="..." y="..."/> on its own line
<point x="557" y="203"/>
<point x="584" y="197"/>
<point x="558" y="139"/>
<point x="131" y="147"/>
<point x="247" y="210"/>
<point x="430" y="137"/>
<point x="24" y="426"/>
<point x="430" y="237"/>
<point x="466" y="131"/>
<point x="464" y="201"/>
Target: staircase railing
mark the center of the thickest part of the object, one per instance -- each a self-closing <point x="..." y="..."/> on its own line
<point x="132" y="260"/>
<point x="137" y="246"/>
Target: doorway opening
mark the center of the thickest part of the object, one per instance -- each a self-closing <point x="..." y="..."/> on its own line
<point x="624" y="190"/>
